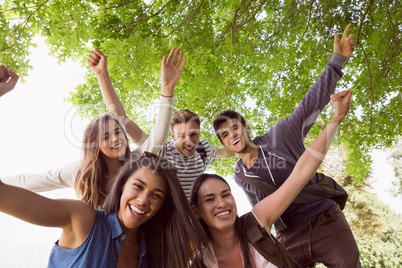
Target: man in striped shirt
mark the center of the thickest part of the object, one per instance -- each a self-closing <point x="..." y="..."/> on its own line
<point x="187" y="152"/>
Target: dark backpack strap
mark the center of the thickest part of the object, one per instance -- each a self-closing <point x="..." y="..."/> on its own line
<point x="333" y="190"/>
<point x="262" y="240"/>
<point x="325" y="187"/>
<point x="201" y="151"/>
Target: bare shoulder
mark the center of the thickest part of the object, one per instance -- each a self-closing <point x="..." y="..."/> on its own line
<point x="82" y="218"/>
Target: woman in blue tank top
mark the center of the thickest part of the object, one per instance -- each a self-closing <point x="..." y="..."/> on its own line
<point x="146" y="216"/>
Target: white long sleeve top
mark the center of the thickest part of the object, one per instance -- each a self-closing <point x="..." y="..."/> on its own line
<point x="65" y="176"/>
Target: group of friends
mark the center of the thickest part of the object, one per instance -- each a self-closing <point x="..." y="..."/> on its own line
<point x="156" y="207"/>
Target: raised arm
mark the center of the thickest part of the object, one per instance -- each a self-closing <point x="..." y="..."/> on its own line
<point x="272" y="207"/>
<point x="8" y="79"/>
<point x="223" y="153"/>
<point x="53" y="179"/>
<point x="345" y="46"/>
<point x="73" y="216"/>
<point x="171" y="71"/>
<point x="97" y="62"/>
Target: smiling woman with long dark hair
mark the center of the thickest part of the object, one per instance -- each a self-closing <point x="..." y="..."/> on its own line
<point x="147" y="221"/>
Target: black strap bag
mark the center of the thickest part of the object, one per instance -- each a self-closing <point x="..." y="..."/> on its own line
<point x="323" y="187"/>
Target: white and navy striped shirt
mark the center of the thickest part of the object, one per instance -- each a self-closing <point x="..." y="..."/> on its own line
<point x="188" y="168"/>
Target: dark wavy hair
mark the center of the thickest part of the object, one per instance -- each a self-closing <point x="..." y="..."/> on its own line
<point x="173" y="234"/>
<point x="91" y="182"/>
<point x="195" y="187"/>
<point x="223" y="117"/>
<point x="248" y="260"/>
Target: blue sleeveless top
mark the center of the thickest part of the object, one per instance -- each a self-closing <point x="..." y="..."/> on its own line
<point x="100" y="248"/>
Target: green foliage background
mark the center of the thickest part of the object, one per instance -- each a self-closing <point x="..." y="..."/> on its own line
<point x="257" y="57"/>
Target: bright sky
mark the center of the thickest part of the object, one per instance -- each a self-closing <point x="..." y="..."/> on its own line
<point x="41" y="132"/>
<point x="32" y="140"/>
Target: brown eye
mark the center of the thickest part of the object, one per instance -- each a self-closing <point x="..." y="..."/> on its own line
<point x="138" y="186"/>
<point x="158" y="196"/>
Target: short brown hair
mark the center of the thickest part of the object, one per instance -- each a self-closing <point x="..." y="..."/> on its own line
<point x="184" y="116"/>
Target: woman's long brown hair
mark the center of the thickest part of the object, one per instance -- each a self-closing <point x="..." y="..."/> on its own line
<point x="174" y="234"/>
<point x="197" y="183"/>
<point x="247" y="258"/>
<point x="92" y="179"/>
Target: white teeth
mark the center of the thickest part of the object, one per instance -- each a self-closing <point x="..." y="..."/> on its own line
<point x="223" y="213"/>
<point x="139" y="211"/>
<point x="117" y="146"/>
<point x="236" y="141"/>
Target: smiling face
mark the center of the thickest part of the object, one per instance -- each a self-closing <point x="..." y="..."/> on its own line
<point x="186" y="137"/>
<point x="234" y="135"/>
<point x="216" y="205"/>
<point x="142" y="196"/>
<point x="112" y="141"/>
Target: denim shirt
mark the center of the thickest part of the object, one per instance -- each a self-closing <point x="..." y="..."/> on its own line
<point x="101" y="246"/>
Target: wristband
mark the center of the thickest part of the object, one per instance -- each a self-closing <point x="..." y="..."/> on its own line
<point x="167" y="96"/>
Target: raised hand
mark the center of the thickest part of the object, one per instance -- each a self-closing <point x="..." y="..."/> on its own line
<point x="171" y="71"/>
<point x="8" y="79"/>
<point x="341" y="102"/>
<point x="97" y="62"/>
<point x="345" y="46"/>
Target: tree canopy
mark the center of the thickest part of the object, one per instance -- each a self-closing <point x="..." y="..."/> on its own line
<point x="256" y="57"/>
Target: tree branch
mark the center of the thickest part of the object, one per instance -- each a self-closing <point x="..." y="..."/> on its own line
<point x="370" y="86"/>
<point x="188" y="20"/>
<point x="393" y="26"/>
<point x="25" y="23"/>
<point x="309" y="18"/>
<point x="218" y="100"/>
<point x="362" y="20"/>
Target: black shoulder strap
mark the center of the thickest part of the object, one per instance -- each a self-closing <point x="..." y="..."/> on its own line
<point x="262" y="241"/>
<point x="201" y="151"/>
<point x="325" y="187"/>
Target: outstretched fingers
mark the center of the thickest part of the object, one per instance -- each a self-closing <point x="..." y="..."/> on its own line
<point x="345" y="45"/>
<point x="346" y="31"/>
<point x="176" y="58"/>
<point x="183" y="64"/>
<point x="336" y="38"/>
<point x="179" y="62"/>
<point x="171" y="55"/>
